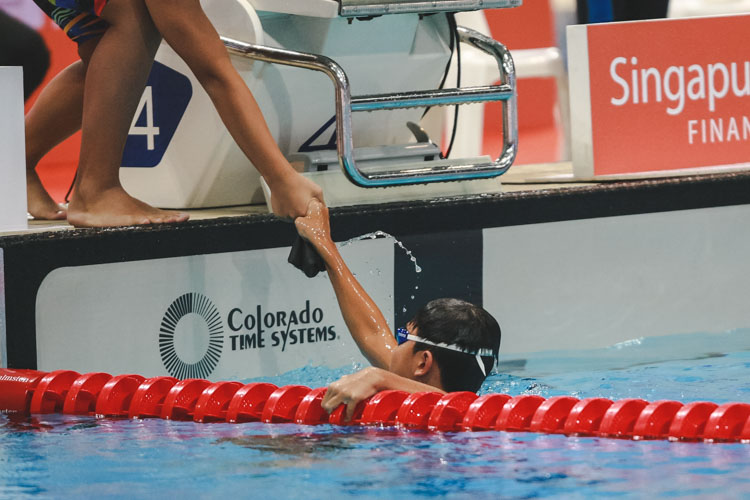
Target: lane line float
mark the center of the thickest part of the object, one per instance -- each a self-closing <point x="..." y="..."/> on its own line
<point x="29" y="392"/>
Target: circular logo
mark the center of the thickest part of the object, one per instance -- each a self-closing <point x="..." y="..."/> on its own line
<point x="200" y="306"/>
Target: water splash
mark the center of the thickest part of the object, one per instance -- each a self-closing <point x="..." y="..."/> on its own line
<point x="381" y="234"/>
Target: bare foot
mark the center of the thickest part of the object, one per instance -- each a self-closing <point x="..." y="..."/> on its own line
<point x="115" y="207"/>
<point x="40" y="203"/>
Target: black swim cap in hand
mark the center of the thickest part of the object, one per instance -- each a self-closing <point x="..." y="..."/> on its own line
<point x="303" y="256"/>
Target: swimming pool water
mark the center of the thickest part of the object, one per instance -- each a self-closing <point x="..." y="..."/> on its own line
<point x="81" y="457"/>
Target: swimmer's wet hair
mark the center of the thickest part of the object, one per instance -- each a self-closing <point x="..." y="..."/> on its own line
<point x="454" y="321"/>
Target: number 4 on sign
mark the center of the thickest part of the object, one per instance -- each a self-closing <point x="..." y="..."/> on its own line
<point x="149" y="130"/>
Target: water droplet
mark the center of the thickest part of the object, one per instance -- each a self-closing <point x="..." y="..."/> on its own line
<point x="382" y="234"/>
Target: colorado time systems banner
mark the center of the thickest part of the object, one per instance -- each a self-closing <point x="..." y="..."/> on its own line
<point x="661" y="95"/>
<point x="227" y="316"/>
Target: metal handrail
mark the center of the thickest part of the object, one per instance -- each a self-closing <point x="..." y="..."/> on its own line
<point x="355" y="8"/>
<point x="423" y="172"/>
<point x="443" y="97"/>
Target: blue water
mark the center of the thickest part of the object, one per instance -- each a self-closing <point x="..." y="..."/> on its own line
<point x="77" y="457"/>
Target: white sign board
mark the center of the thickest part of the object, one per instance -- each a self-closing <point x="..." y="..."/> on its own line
<point x="12" y="150"/>
<point x="228" y="316"/>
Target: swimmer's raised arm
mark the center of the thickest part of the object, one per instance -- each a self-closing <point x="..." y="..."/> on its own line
<point x="364" y="319"/>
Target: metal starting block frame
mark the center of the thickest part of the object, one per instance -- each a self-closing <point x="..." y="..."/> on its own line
<point x="356" y="8"/>
<point x="419" y="171"/>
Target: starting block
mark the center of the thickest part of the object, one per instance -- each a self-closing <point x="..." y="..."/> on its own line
<point x="375" y="53"/>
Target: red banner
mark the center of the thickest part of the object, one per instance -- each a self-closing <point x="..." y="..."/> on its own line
<point x="668" y="94"/>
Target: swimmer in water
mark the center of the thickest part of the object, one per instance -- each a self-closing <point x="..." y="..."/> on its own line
<point x="450" y="345"/>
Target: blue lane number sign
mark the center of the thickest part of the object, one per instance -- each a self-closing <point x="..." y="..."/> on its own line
<point x="162" y="105"/>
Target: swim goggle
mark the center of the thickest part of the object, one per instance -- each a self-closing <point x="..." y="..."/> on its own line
<point x="402" y="335"/>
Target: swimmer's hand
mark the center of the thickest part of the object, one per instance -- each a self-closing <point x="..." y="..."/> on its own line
<point x="313" y="248"/>
<point x="315" y="226"/>
<point x="350" y="390"/>
<point x="292" y="194"/>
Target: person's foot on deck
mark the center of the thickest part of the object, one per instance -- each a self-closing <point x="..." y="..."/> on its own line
<point x="114" y="207"/>
<point x="41" y="206"/>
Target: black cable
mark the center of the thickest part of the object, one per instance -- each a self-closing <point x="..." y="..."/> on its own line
<point x="451" y="45"/>
<point x="70" y="189"/>
<point x="455" y="47"/>
<point x="458" y="85"/>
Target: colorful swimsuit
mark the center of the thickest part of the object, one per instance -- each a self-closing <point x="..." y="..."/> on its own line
<point x="79" y="19"/>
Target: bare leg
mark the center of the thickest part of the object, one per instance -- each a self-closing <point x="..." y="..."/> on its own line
<point x="188" y="31"/>
<point x="54" y="117"/>
<point x="115" y="79"/>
